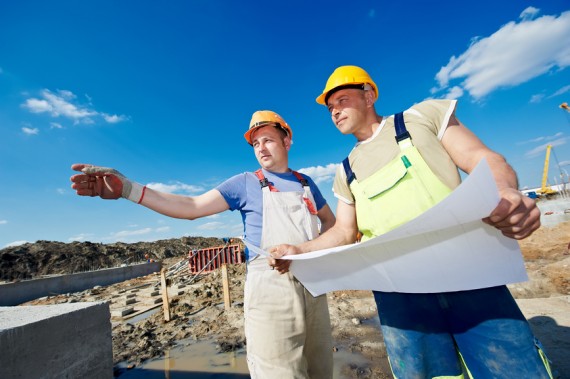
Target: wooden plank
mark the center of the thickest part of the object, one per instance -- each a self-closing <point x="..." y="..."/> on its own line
<point x="226" y="286"/>
<point x="165" y="304"/>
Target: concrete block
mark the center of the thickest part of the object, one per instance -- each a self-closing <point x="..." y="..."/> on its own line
<point x="56" y="341"/>
<point x="130" y="301"/>
<point x="122" y="312"/>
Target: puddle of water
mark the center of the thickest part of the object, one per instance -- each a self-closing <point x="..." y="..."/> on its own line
<point x="133" y="320"/>
<point x="200" y="360"/>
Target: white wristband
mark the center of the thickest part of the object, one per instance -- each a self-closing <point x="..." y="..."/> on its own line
<point x="133" y="191"/>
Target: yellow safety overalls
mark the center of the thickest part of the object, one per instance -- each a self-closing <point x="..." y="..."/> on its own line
<point x="445" y="334"/>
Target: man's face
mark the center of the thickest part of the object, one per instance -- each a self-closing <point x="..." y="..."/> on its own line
<point x="270" y="148"/>
<point x="347" y="108"/>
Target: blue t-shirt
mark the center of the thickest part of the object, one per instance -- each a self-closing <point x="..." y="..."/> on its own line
<point x="243" y="192"/>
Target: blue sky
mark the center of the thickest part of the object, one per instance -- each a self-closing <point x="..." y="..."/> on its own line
<point x="163" y="92"/>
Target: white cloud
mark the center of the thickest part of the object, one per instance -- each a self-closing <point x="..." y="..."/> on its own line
<point x="80" y="237"/>
<point x="30" y="131"/>
<point x="541" y="138"/>
<point x="212" y="226"/>
<point x="55" y="125"/>
<point x="113" y="119"/>
<point x="542" y="148"/>
<point x="529" y="13"/>
<point x="62" y="104"/>
<point x="514" y="54"/>
<point x="564" y="163"/>
<point x="561" y="91"/>
<point x="536" y="98"/>
<point x="454" y="93"/>
<point x="61" y="191"/>
<point x="128" y="233"/>
<point x="321" y="174"/>
<point x="16" y="243"/>
<point x="3" y="222"/>
<point x="175" y="187"/>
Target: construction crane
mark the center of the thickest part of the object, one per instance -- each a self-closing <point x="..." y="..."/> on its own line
<point x="545" y="189"/>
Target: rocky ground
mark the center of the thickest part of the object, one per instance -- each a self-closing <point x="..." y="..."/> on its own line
<point x="198" y="312"/>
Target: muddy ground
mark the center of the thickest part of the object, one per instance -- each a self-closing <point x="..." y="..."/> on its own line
<point x="198" y="312"/>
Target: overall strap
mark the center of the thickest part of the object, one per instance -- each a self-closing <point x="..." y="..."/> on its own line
<point x="348" y="171"/>
<point x="307" y="187"/>
<point x="264" y="182"/>
<point x="300" y="178"/>
<point x="401" y="131"/>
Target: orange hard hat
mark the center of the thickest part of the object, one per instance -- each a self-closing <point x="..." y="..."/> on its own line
<point x="346" y="76"/>
<point x="263" y="118"/>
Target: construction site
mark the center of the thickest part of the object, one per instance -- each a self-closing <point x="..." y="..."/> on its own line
<point x="182" y="315"/>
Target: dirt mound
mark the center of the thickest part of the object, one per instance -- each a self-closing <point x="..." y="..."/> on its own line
<point x="32" y="260"/>
<point x="547" y="259"/>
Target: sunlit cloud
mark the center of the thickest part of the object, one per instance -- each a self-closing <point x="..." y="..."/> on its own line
<point x="561" y="91"/>
<point x="80" y="237"/>
<point x="113" y="119"/>
<point x="541" y="138"/>
<point x="16" y="243"/>
<point x="529" y="13"/>
<point x="542" y="148"/>
<point x="64" y="103"/>
<point x="321" y="174"/>
<point x="514" y="54"/>
<point x="176" y="187"/>
<point x="129" y="233"/>
<point x="214" y="225"/>
<point x="536" y="98"/>
<point x="454" y="93"/>
<point x="30" y="131"/>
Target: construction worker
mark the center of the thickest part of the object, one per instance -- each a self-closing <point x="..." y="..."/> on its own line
<point x="432" y="335"/>
<point x="287" y="330"/>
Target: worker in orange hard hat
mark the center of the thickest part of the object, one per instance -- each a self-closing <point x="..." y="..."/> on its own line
<point x="402" y="165"/>
<point x="288" y="336"/>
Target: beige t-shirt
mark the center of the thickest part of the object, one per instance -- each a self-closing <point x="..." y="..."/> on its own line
<point x="426" y="122"/>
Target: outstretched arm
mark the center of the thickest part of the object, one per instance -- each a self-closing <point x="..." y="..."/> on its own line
<point x="516" y="215"/>
<point x="108" y="183"/>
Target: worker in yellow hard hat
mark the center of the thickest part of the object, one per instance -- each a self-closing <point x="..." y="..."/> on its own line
<point x="287" y="329"/>
<point x="402" y="165"/>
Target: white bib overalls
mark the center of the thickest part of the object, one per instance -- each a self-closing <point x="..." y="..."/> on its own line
<point x="288" y="332"/>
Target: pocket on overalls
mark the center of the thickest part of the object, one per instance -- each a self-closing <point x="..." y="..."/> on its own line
<point x="393" y="196"/>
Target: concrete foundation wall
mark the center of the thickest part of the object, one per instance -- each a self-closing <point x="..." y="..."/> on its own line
<point x="56" y="341"/>
<point x="20" y="292"/>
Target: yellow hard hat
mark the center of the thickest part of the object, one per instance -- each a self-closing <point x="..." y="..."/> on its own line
<point x="344" y="76"/>
<point x="263" y="118"/>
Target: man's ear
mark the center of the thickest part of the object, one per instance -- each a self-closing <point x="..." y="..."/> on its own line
<point x="369" y="95"/>
<point x="287" y="142"/>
